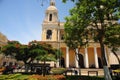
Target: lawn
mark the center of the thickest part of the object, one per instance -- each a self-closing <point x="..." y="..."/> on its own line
<point x="31" y="77"/>
<point x="19" y="76"/>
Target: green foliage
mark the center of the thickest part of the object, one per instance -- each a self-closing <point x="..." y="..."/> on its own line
<point x="84" y="78"/>
<point x="112" y="39"/>
<point x="11" y="48"/>
<point x="13" y="77"/>
<point x="28" y="53"/>
<point x="57" y="71"/>
<point x="75" y="29"/>
<point x="113" y="36"/>
<point x="58" y="53"/>
<point x="31" y="77"/>
<point x="45" y="51"/>
<point x="94" y="19"/>
<point x="47" y="57"/>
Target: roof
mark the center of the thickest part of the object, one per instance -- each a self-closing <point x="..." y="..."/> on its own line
<point x="51" y="8"/>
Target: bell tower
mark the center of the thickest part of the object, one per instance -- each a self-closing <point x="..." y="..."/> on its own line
<point x="50" y="23"/>
<point x="51" y="14"/>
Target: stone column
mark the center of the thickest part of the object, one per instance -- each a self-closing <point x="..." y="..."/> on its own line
<point x="43" y="35"/>
<point x="55" y="34"/>
<point x="86" y="58"/>
<point x="67" y="57"/>
<point x="96" y="57"/>
<point x="54" y="37"/>
<point x="76" y="59"/>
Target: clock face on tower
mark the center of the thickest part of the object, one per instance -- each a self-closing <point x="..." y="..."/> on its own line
<point x="49" y="34"/>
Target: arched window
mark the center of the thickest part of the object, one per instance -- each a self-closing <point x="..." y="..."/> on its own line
<point x="49" y="34"/>
<point x="62" y="36"/>
<point x="50" y="17"/>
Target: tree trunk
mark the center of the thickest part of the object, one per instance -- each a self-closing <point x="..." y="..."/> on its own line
<point x="26" y="66"/>
<point x="104" y="60"/>
<point x="107" y="73"/>
<point x="79" y="68"/>
<point x="116" y="56"/>
<point x="77" y="58"/>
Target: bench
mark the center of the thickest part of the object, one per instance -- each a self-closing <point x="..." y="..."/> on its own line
<point x="68" y="71"/>
<point x="115" y="69"/>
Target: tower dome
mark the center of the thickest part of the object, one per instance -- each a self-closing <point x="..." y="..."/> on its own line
<point x="52" y="6"/>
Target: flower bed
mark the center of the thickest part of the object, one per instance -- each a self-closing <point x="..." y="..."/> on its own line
<point x="47" y="77"/>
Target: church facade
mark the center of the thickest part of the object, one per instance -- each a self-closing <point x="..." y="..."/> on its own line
<point x="53" y="32"/>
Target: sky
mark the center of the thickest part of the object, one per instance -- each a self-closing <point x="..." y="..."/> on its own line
<point x="21" y="20"/>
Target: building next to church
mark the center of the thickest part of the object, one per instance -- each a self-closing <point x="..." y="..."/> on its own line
<point x="3" y="41"/>
<point x="53" y="32"/>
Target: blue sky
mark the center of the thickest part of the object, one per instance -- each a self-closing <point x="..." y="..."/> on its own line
<point x="21" y="19"/>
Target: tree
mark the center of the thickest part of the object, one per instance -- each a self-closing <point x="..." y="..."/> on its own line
<point x="113" y="39"/>
<point x="45" y="51"/>
<point x="28" y="53"/>
<point x="76" y="30"/>
<point x="17" y="51"/>
<point x="102" y="15"/>
<point x="11" y="48"/>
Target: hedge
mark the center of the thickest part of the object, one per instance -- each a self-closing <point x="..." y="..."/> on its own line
<point x="84" y="78"/>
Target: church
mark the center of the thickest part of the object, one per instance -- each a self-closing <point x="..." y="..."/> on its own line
<point x="53" y="32"/>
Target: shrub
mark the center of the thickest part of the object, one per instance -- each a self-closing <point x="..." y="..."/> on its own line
<point x="10" y="76"/>
<point x="84" y="78"/>
<point x="57" y="71"/>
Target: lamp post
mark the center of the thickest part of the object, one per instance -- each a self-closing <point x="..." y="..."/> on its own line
<point x="59" y="53"/>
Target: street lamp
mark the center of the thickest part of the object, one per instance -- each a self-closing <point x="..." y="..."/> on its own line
<point x="59" y="43"/>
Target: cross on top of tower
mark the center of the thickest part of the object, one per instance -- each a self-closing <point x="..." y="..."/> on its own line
<point x="52" y="2"/>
